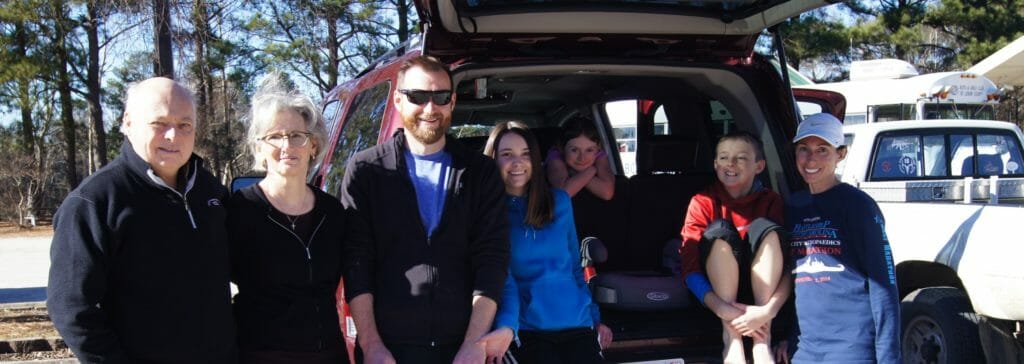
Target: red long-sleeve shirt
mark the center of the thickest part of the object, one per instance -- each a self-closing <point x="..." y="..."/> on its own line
<point x="762" y="202"/>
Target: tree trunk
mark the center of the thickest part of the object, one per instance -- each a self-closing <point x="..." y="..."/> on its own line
<point x="204" y="89"/>
<point x="64" y="92"/>
<point x="333" y="46"/>
<point x="163" y="62"/>
<point x="93" y="89"/>
<point x="402" y="6"/>
<point x="229" y="140"/>
<point x="24" y="96"/>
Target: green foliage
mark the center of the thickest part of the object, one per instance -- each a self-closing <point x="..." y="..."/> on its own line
<point x="980" y="27"/>
<point x="322" y="41"/>
<point x="814" y="38"/>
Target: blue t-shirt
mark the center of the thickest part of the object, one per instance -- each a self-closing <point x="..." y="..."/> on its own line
<point x="429" y="175"/>
<point x="847" y="305"/>
<point x="545" y="289"/>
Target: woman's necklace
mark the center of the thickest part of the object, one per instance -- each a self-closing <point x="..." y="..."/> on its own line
<point x="292" y="219"/>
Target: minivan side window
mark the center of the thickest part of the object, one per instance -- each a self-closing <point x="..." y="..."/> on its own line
<point x="332" y="109"/>
<point x="360" y="131"/>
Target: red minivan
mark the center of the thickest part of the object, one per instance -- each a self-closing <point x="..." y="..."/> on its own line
<point x="662" y="80"/>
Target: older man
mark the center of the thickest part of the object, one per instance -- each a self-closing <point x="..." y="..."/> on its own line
<point x="139" y="262"/>
<point x="428" y="235"/>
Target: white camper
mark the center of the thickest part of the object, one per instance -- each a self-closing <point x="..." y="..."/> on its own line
<point x="890" y="89"/>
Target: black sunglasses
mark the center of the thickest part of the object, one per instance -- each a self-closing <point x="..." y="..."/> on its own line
<point x="421" y="97"/>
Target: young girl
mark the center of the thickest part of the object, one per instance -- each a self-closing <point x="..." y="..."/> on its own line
<point x="546" y="302"/>
<point x="732" y="227"/>
<point x="580" y="162"/>
<point x="847" y="305"/>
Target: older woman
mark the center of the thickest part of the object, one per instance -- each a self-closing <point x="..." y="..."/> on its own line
<point x="286" y="238"/>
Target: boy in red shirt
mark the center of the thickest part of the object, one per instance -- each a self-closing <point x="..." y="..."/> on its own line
<point x="731" y="237"/>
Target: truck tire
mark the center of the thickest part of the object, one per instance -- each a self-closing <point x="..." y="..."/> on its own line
<point x="939" y="326"/>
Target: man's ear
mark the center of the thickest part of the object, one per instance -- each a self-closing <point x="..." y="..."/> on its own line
<point x="396" y="99"/>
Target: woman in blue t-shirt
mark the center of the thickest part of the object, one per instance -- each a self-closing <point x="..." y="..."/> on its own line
<point x="847" y="305"/>
<point x="546" y="303"/>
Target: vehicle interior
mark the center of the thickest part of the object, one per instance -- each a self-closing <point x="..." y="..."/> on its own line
<point x="659" y="127"/>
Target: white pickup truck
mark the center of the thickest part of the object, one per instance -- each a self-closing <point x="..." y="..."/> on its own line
<point x="952" y="192"/>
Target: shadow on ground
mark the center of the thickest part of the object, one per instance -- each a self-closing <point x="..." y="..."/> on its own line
<point x="16" y="295"/>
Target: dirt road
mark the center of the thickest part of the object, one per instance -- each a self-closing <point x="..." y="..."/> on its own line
<point x="24" y="265"/>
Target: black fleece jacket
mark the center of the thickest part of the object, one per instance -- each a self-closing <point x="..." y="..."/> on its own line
<point x="286" y="283"/>
<point x="139" y="271"/>
<point x="423" y="286"/>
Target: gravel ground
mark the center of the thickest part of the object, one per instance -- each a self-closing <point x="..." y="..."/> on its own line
<point x="24" y="323"/>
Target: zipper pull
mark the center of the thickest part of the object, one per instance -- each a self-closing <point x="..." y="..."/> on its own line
<point x="188" y="210"/>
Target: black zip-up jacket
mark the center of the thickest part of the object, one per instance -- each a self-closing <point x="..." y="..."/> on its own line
<point x="286" y="283"/>
<point x="423" y="287"/>
<point x="139" y="271"/>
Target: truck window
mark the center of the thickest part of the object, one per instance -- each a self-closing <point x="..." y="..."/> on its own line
<point x="360" y="131"/>
<point x="962" y="147"/>
<point x="997" y="155"/>
<point x="897" y="157"/>
<point x="935" y="156"/>
<point x="892" y="112"/>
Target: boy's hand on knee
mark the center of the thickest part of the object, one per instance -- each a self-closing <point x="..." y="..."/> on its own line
<point x="754" y="318"/>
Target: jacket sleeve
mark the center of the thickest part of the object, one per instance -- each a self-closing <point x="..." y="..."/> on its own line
<point x="694" y="225"/>
<point x="78" y="282"/>
<point x="489" y="241"/>
<point x="508" y="310"/>
<point x="359" y="250"/>
<point x="877" y="264"/>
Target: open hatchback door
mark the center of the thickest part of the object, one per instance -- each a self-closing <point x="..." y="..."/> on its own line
<point x="455" y="29"/>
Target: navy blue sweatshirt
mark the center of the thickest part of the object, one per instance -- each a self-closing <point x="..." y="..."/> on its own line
<point x="139" y="272"/>
<point x="847" y="305"/>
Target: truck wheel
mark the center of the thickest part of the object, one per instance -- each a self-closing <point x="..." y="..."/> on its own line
<point x="939" y="326"/>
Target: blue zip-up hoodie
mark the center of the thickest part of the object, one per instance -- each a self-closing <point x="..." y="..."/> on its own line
<point x="847" y="304"/>
<point x="545" y="290"/>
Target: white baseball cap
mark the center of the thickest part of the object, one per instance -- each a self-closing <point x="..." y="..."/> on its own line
<point x="824" y="126"/>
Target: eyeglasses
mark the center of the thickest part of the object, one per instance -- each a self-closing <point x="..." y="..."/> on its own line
<point x="421" y="97"/>
<point x="293" y="138"/>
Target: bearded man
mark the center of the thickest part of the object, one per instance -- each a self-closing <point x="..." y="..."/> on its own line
<point x="427" y="244"/>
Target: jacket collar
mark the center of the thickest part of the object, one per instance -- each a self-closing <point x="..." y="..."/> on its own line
<point x="186" y="175"/>
<point x="755" y="191"/>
